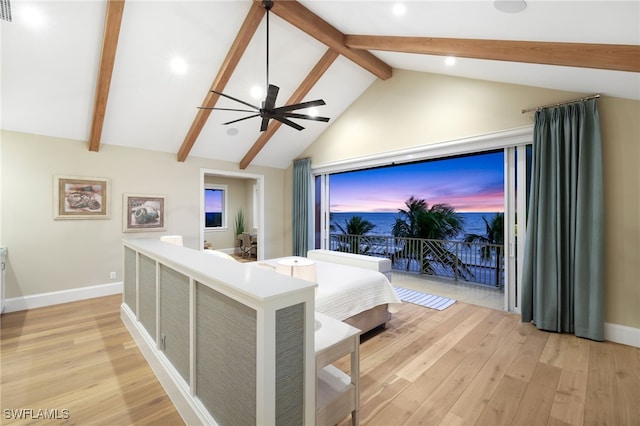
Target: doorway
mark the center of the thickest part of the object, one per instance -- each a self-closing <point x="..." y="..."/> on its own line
<point x="236" y="191"/>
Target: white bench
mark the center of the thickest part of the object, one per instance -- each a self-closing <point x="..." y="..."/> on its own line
<point x="380" y="264"/>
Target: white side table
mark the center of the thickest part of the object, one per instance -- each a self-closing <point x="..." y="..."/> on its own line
<point x="337" y="393"/>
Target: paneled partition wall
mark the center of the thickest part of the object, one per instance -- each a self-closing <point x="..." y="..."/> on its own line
<point x="233" y="341"/>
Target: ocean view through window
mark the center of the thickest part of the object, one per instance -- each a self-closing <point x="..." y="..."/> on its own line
<point x="384" y="221"/>
<point x="442" y="217"/>
<point x="473" y="185"/>
<point x="215" y="206"/>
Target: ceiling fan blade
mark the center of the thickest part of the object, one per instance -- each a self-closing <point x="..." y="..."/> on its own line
<point x="270" y="100"/>
<point x="226" y="109"/>
<point x="237" y="100"/>
<point x="265" y="124"/>
<point x="243" y="118"/>
<point x="288" y="122"/>
<point x="309" y="104"/>
<point x="303" y="116"/>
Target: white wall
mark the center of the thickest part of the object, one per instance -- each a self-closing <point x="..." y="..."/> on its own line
<point x="47" y="255"/>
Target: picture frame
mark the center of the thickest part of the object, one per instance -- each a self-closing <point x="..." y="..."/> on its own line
<point x="81" y="197"/>
<point x="143" y="212"/>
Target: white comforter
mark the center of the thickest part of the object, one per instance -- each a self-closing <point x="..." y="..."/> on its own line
<point x="344" y="291"/>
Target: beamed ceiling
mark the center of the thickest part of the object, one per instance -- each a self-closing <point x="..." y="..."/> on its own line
<point x="101" y="71"/>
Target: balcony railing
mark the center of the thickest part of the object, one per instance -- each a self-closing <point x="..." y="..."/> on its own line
<point x="473" y="262"/>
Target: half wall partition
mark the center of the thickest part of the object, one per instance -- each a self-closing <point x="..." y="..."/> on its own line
<point x="230" y="342"/>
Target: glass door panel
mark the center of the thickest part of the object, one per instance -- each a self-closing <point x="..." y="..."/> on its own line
<point x="517" y="182"/>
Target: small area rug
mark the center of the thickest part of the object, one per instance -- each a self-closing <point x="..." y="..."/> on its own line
<point x="424" y="299"/>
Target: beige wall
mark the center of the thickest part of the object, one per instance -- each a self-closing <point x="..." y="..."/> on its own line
<point x="414" y="109"/>
<point x="620" y="120"/>
<point x="48" y="255"/>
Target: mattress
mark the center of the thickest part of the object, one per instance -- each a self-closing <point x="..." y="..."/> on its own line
<point x="345" y="291"/>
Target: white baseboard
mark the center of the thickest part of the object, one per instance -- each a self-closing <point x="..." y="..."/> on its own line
<point x="56" y="297"/>
<point x="622" y="334"/>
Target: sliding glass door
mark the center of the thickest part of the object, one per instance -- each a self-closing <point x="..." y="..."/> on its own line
<point x="516" y="145"/>
<point x="321" y="212"/>
<point x="517" y="182"/>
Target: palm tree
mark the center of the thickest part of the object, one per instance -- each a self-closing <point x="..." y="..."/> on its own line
<point x="440" y="222"/>
<point x="418" y="220"/>
<point x="433" y="225"/>
<point x="494" y="237"/>
<point x="406" y="224"/>
<point x="355" y="227"/>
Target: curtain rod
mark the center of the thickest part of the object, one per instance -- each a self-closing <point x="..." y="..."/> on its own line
<point x="585" y="98"/>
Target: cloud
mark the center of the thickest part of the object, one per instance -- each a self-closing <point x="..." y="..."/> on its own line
<point x="472" y="183"/>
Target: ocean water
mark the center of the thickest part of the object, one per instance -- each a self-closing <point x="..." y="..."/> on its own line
<point x="473" y="223"/>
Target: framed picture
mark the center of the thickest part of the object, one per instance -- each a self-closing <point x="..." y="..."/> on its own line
<point x="143" y="213"/>
<point x="76" y="197"/>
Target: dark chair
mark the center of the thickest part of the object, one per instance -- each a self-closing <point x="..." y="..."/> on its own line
<point x="248" y="247"/>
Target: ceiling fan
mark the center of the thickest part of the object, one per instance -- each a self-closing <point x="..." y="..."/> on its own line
<point x="268" y="110"/>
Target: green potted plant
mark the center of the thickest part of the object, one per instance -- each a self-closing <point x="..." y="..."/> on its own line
<point x="239" y="227"/>
<point x="239" y="222"/>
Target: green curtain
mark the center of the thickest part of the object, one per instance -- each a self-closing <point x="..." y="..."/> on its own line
<point x="563" y="279"/>
<point x="301" y="203"/>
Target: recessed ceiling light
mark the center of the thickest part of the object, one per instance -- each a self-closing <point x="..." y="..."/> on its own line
<point x="257" y="92"/>
<point x="399" y="9"/>
<point x="178" y="65"/>
<point x="31" y="16"/>
<point x="510" y="6"/>
<point x="450" y="61"/>
<point x="232" y="131"/>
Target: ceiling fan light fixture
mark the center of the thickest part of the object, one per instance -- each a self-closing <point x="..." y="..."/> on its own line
<point x="510" y="6"/>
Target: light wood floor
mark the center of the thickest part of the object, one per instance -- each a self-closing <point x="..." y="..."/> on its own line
<point x="78" y="357"/>
<point x="466" y="365"/>
<point x="471" y="365"/>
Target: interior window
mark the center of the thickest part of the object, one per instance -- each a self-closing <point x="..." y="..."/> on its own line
<point x="215" y="206"/>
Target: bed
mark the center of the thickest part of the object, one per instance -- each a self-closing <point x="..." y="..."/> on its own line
<point x="358" y="295"/>
<point x="352" y="288"/>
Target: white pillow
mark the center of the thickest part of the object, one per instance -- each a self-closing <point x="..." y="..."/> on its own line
<point x="221" y="254"/>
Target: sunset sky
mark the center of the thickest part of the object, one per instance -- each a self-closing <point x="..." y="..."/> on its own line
<point x="470" y="184"/>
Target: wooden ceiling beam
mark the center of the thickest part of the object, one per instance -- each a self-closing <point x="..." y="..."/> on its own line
<point x="298" y="96"/>
<point x="301" y="17"/>
<point x="244" y="36"/>
<point x="113" y="19"/>
<point x="618" y="57"/>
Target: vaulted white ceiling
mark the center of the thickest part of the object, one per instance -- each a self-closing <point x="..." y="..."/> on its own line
<point x="50" y="65"/>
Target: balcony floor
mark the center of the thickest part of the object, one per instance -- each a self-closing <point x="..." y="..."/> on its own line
<point x="474" y="294"/>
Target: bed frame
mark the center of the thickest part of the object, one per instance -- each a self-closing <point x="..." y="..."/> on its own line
<point x="372" y="318"/>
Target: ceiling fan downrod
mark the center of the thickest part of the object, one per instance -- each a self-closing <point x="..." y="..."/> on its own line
<point x="267" y="4"/>
<point x="267" y="110"/>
